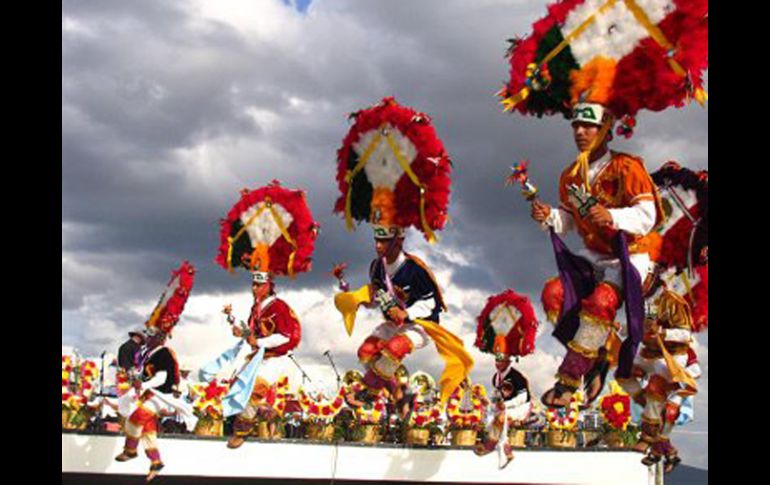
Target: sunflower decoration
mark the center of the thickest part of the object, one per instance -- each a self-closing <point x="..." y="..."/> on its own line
<point x="615" y="407"/>
<point x="372" y="413"/>
<point x="89" y="373"/>
<point x="66" y="372"/>
<point x="171" y="303"/>
<point x="465" y="410"/>
<point x="317" y="408"/>
<point x="565" y="419"/>
<point x="393" y="170"/>
<point x="270" y="230"/>
<point x="281" y="390"/>
<point x="507" y="325"/>
<point x="627" y="55"/>
<point x="425" y="415"/>
<point x="209" y="399"/>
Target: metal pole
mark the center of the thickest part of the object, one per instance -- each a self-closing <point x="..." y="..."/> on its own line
<point x="328" y="354"/>
<point x="304" y="376"/>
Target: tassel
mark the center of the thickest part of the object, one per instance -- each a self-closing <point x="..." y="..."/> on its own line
<point x="701" y="96"/>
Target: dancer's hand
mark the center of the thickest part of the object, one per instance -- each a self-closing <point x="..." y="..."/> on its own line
<point x="397" y="315"/>
<point x="540" y="211"/>
<point x="599" y="216"/>
<point x="228" y="309"/>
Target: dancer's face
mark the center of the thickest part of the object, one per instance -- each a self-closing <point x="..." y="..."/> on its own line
<point x="385" y="248"/>
<point x="260" y="290"/>
<point x="501" y="365"/>
<point x="584" y="134"/>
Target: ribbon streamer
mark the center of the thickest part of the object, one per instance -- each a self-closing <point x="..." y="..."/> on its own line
<point x="641" y="16"/>
<point x="512" y="101"/>
<point x="231" y="240"/>
<point x="416" y="181"/>
<point x="267" y="204"/>
<point x="655" y="33"/>
<point x="581" y="163"/>
<point x="458" y="362"/>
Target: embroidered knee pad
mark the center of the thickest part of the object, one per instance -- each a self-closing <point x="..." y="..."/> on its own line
<point x="398" y="347"/>
<point x="602" y="305"/>
<point x="552" y="298"/>
<point x="657" y="388"/>
<point x="371" y="347"/>
<point x="671" y="413"/>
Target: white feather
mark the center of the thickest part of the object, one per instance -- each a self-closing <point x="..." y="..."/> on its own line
<point x="626" y="31"/>
<point x="382" y="169"/>
<point x="264" y="229"/>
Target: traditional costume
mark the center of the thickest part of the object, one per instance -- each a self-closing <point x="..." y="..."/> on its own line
<point x="677" y="303"/>
<point x="155" y="393"/>
<point x="393" y="172"/>
<point x="506" y="327"/>
<point x="617" y="259"/>
<point x="388" y="345"/>
<point x="275" y="328"/>
<point x="597" y="61"/>
<point x="269" y="231"/>
<point x="662" y="364"/>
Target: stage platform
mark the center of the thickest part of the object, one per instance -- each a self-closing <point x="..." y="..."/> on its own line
<point x="88" y="458"/>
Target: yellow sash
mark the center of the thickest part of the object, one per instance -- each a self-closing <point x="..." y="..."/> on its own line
<point x="458" y="362"/>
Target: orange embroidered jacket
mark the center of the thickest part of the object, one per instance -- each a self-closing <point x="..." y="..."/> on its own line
<point x="622" y="183"/>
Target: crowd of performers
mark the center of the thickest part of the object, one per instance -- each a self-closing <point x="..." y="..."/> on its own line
<point x="643" y="246"/>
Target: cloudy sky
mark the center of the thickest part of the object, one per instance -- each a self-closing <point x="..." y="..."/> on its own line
<point x="170" y="108"/>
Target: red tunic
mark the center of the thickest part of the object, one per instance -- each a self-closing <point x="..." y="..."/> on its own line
<point x="277" y="317"/>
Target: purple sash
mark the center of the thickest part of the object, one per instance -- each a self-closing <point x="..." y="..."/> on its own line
<point x="577" y="279"/>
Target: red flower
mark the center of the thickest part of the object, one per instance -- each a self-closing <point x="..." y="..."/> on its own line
<point x="616" y="410"/>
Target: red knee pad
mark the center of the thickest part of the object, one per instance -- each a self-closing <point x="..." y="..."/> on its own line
<point x="552" y="298"/>
<point x="142" y="417"/>
<point x="603" y="303"/>
<point x="657" y="387"/>
<point x="671" y="412"/>
<point x="371" y="347"/>
<point x="399" y="347"/>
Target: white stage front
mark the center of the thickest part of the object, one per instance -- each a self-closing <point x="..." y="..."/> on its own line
<point x="288" y="459"/>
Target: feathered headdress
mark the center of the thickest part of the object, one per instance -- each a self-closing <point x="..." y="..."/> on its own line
<point x="393" y="171"/>
<point x="627" y="55"/>
<point x="269" y="230"/>
<point x="683" y="255"/>
<point x="507" y="325"/>
<point x="171" y="303"/>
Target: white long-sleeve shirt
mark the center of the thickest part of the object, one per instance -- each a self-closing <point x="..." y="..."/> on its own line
<point x="638" y="219"/>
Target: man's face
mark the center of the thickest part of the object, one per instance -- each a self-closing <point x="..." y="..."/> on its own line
<point x="501" y="365"/>
<point x="584" y="134"/>
<point x="260" y="290"/>
<point x="155" y="340"/>
<point x="384" y="247"/>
